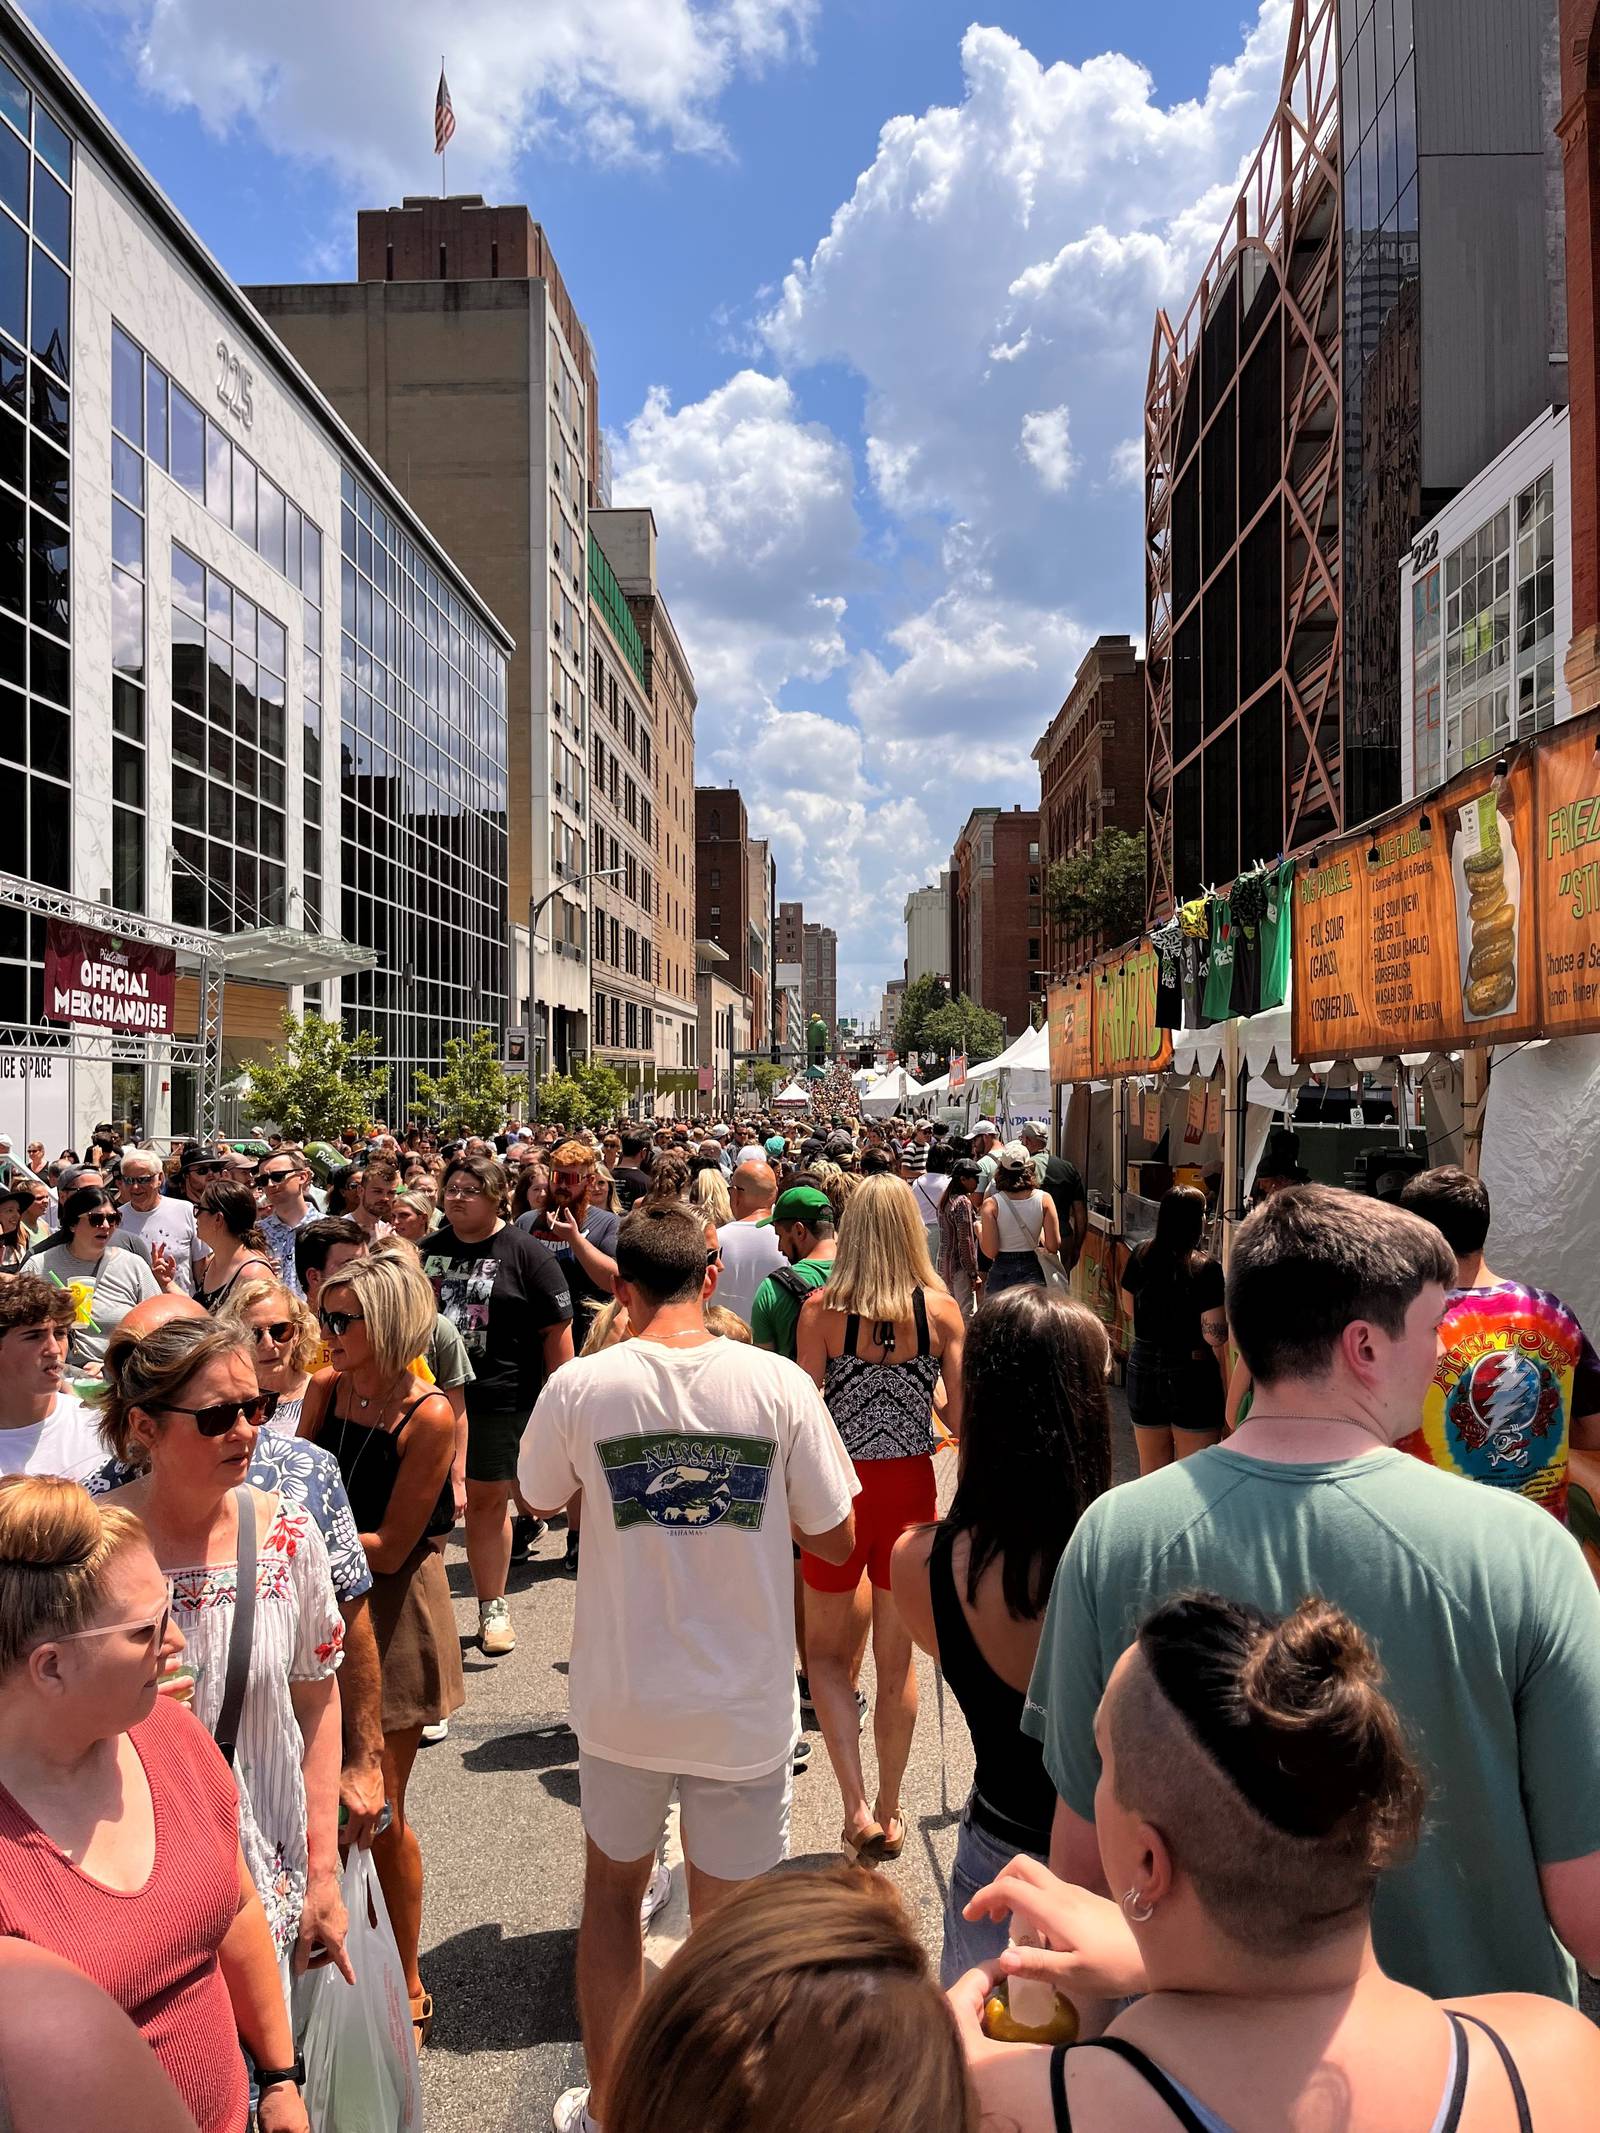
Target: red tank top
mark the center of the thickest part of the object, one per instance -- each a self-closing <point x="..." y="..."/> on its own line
<point x="153" y="1950"/>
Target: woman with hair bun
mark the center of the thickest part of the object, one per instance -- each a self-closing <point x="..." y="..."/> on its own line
<point x="119" y="1823"/>
<point x="1255" y="1787"/>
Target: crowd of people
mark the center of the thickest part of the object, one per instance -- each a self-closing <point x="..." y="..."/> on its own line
<point x="1278" y="1749"/>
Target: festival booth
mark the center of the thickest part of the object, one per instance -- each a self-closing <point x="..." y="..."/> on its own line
<point x="889" y="1093"/>
<point x="793" y="1098"/>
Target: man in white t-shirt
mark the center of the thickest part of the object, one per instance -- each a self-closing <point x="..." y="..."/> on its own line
<point x="748" y="1247"/>
<point x="698" y="1458"/>
<point x="161" y="1221"/>
<point x="44" y="1427"/>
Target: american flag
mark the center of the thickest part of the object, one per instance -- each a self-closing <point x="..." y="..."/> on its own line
<point x="444" y="118"/>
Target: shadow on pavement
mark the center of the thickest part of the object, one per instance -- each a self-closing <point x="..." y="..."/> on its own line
<point x="542" y="1748"/>
<point x="493" y="1994"/>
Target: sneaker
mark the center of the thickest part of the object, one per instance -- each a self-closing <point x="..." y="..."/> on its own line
<point x="570" y="2113"/>
<point x="861" y="1710"/>
<point x="496" y="1637"/>
<point x="802" y="1755"/>
<point x="807" y="1708"/>
<point x="657" y="1895"/>
<point x="524" y="1532"/>
<point x="570" y="1560"/>
<point x="439" y="1732"/>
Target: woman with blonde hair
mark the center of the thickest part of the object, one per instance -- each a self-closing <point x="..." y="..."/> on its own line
<point x="394" y="1438"/>
<point x="877" y="1337"/>
<point x="119" y="1823"/>
<point x="183" y="1405"/>
<point x="285" y="1340"/>
<point x="710" y="1195"/>
<point x="416" y="1211"/>
<point x="727" y="2036"/>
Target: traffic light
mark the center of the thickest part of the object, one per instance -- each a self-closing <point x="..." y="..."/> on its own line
<point x="865" y="1056"/>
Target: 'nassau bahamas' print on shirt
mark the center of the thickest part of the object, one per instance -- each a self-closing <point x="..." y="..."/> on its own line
<point x="687" y="1484"/>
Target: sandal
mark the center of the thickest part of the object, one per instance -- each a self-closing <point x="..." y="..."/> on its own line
<point x="862" y="1848"/>
<point x="422" y="2018"/>
<point x="889" y="1842"/>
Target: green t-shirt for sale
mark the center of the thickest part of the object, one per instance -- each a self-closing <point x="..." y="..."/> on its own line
<point x="1486" y="1619"/>
<point x="775" y="1314"/>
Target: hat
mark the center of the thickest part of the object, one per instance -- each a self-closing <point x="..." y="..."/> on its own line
<point x="985" y="1125"/>
<point x="197" y="1158"/>
<point x="800" y="1203"/>
<point x="1014" y="1160"/>
<point x="776" y="1144"/>
<point x="721" y="1133"/>
<point x="1033" y="1131"/>
<point x="840" y="1144"/>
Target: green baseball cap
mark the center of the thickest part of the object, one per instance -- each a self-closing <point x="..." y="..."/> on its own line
<point x="800" y="1203"/>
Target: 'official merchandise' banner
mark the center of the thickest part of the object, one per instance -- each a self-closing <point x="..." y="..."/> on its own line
<point x="1422" y="934"/>
<point x="108" y="983"/>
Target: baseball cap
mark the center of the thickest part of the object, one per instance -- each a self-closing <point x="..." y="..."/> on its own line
<point x="776" y="1144"/>
<point x="721" y="1133"/>
<point x="986" y="1125"/>
<point x="799" y="1203"/>
<point x="1033" y="1131"/>
<point x="840" y="1144"/>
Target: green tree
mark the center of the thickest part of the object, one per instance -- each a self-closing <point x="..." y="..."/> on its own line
<point x="922" y="997"/>
<point x="767" y="1078"/>
<point x="591" y="1095"/>
<point x="319" y="1083"/>
<point x="474" y="1093"/>
<point x="1098" y="896"/>
<point x="961" y="1026"/>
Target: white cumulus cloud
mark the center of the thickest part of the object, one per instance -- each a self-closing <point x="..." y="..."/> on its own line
<point x="1047" y="447"/>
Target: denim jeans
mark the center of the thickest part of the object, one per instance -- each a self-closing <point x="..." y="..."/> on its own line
<point x="967" y="1942"/>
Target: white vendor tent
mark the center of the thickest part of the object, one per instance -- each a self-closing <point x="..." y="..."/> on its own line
<point x="793" y="1094"/>
<point x="889" y="1093"/>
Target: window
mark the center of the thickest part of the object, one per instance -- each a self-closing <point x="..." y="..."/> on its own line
<point x="1425" y="679"/>
<point x="1477" y="693"/>
<point x="1536" y="604"/>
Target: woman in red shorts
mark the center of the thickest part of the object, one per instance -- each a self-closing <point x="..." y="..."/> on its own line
<point x="878" y="1338"/>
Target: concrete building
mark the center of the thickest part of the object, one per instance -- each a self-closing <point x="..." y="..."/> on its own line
<point x="622" y="837"/>
<point x="927" y="916"/>
<point x="628" y="538"/>
<point x="789" y="1021"/>
<point x="1091" y="778"/>
<point x="244" y="690"/>
<point x="889" y="1009"/>
<point x="723" y="1012"/>
<point x="459" y="359"/>
<point x="820" y="961"/>
<point x="1347" y="363"/>
<point x="722" y="880"/>
<point x="995" y="949"/>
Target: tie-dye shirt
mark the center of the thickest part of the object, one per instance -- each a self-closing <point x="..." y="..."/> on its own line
<point x="1514" y="1368"/>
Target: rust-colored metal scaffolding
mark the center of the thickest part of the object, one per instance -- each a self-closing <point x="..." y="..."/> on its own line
<point x="1243" y="479"/>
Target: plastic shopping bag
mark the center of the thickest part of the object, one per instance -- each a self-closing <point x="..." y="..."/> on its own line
<point x="359" y="2046"/>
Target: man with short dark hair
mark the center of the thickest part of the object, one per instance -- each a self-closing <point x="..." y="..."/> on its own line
<point x="803" y="1227"/>
<point x="285" y="1177"/>
<point x="44" y="1427"/>
<point x="1517" y="1382"/>
<point x="1482" y="1610"/>
<point x="1063" y="1181"/>
<point x="632" y="1179"/>
<point x="697" y="1458"/>
<point x="373" y="1213"/>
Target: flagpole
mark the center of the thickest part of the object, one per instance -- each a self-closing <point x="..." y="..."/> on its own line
<point x="443" y="153"/>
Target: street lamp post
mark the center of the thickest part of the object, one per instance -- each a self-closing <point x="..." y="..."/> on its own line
<point x="576" y="882"/>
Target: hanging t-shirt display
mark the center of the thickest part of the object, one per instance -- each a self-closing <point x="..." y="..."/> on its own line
<point x="1514" y="1367"/>
<point x="1249" y="903"/>
<point x="1219" y="979"/>
<point x="1194" y="921"/>
<point x="1275" y="935"/>
<point x="1167" y="941"/>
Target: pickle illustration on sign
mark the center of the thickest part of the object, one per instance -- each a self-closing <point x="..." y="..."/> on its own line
<point x="1488" y="899"/>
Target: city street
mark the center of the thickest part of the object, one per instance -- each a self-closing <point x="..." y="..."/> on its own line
<point x="496" y="1806"/>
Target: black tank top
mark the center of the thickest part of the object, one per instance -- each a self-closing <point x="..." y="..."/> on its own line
<point x="369" y="1460"/>
<point x="1013" y="1799"/>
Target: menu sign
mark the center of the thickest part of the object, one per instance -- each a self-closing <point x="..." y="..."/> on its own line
<point x="1420" y="934"/>
<point x="1070" y="1022"/>
<point x="1127" y="1038"/>
<point x="1566" y="876"/>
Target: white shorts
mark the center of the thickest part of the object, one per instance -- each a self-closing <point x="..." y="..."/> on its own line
<point x="732" y="1828"/>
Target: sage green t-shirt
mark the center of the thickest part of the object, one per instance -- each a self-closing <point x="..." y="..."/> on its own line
<point x="1487" y="1621"/>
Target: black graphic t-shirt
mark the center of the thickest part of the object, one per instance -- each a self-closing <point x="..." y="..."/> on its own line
<point x="502" y="1295"/>
<point x="600" y="1228"/>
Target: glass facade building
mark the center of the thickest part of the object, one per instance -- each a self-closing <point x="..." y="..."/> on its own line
<point x="422" y="797"/>
<point x="37" y="436"/>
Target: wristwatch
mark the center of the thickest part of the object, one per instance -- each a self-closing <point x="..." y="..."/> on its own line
<point x="271" y="2077"/>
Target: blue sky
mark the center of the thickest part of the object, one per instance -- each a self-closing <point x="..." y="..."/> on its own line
<point x="881" y="387"/>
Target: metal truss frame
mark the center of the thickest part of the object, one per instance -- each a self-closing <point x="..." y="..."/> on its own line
<point x="1289" y="213"/>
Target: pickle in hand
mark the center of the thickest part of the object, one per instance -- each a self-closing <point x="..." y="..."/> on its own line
<point x="1002" y="2025"/>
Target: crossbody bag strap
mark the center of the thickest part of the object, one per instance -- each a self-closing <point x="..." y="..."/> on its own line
<point x="1141" y="2063"/>
<point x="242" y="1635"/>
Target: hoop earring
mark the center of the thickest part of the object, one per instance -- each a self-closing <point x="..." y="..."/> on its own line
<point x="1136" y="1917"/>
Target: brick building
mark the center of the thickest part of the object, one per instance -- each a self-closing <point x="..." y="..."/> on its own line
<point x="1091" y="777"/>
<point x="996" y="927"/>
<point x="821" y="984"/>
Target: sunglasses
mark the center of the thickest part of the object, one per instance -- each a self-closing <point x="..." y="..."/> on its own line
<point x="105" y="1219"/>
<point x="203" y="1170"/>
<point x="218" y="1420"/>
<point x="278" y="1332"/>
<point x="153" y="1630"/>
<point x="276" y="1177"/>
<point x="338" y="1323"/>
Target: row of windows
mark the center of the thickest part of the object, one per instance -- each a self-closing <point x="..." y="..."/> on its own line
<point x="627" y="1024"/>
<point x="614" y="701"/>
<point x="386" y="555"/>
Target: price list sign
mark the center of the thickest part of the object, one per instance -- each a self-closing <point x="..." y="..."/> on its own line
<point x="1566" y="875"/>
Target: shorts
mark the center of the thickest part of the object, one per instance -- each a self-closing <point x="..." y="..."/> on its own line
<point x="1167" y="1391"/>
<point x="895" y="1493"/>
<point x="732" y="1828"/>
<point x="493" y="1442"/>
